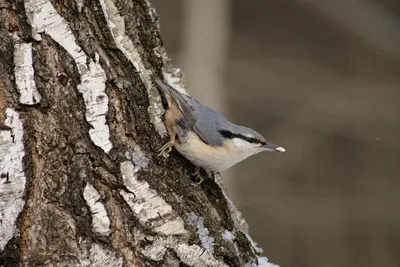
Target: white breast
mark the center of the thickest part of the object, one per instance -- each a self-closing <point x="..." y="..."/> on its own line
<point x="211" y="158"/>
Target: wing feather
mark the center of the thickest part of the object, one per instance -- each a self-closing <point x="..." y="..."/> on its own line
<point x="201" y="119"/>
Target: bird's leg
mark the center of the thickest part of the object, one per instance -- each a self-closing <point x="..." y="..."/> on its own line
<point x="166" y="148"/>
<point x="198" y="178"/>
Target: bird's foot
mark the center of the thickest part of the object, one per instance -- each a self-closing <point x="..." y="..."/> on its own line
<point x="166" y="149"/>
<point x="198" y="179"/>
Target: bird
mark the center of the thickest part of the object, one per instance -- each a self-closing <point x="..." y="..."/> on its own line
<point x="204" y="137"/>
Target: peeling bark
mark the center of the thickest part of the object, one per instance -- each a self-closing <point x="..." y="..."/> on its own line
<point x="80" y="123"/>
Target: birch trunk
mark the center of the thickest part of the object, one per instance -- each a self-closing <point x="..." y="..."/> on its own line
<point x="80" y="123"/>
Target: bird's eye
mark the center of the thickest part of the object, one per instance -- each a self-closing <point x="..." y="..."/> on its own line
<point x="252" y="140"/>
<point x="226" y="134"/>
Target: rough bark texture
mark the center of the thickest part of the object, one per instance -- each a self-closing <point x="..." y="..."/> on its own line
<point x="80" y="123"/>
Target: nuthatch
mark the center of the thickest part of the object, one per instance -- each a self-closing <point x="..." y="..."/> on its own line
<point x="206" y="138"/>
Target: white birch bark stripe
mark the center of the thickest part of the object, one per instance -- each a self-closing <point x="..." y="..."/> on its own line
<point x="12" y="183"/>
<point x="147" y="204"/>
<point x="100" y="220"/>
<point x="24" y="74"/>
<point x="45" y="19"/>
<point x="99" y="257"/>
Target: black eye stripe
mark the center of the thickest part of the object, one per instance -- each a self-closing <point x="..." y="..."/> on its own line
<point x="228" y="134"/>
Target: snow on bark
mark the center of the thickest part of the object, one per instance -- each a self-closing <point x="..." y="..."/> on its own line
<point x="260" y="261"/>
<point x="100" y="221"/>
<point x="45" y="19"/>
<point x="12" y="183"/>
<point x="204" y="235"/>
<point x="24" y="74"/>
<point x="228" y="236"/>
<point x="116" y="24"/>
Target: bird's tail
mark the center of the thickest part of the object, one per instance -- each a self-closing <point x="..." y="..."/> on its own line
<point x="174" y="97"/>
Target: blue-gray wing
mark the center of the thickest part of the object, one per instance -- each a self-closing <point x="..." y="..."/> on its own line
<point x="201" y="119"/>
<point x="207" y="125"/>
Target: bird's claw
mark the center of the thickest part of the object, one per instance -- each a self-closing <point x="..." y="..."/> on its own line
<point x="198" y="178"/>
<point x="165" y="150"/>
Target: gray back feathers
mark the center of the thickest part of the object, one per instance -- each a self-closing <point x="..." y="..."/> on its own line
<point x="204" y="121"/>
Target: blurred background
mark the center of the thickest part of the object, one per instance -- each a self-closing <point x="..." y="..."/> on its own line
<point x="322" y="79"/>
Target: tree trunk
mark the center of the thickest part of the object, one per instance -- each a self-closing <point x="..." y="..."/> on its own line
<point x="80" y="123"/>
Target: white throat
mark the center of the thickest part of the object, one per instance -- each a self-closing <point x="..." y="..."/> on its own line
<point x="243" y="145"/>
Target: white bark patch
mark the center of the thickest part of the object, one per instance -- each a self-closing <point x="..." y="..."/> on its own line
<point x="116" y="24"/>
<point x="204" y="235"/>
<point x="192" y="255"/>
<point x="148" y="205"/>
<point x="45" y="19"/>
<point x="197" y="257"/>
<point x="100" y="257"/>
<point x="92" y="88"/>
<point x="156" y="250"/>
<point x="100" y="220"/>
<point x="174" y="80"/>
<point x="24" y="74"/>
<point x="91" y="255"/>
<point x="12" y="181"/>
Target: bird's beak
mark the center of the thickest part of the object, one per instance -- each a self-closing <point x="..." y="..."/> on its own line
<point x="273" y="147"/>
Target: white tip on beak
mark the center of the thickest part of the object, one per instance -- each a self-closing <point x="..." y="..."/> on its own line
<point x="280" y="149"/>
